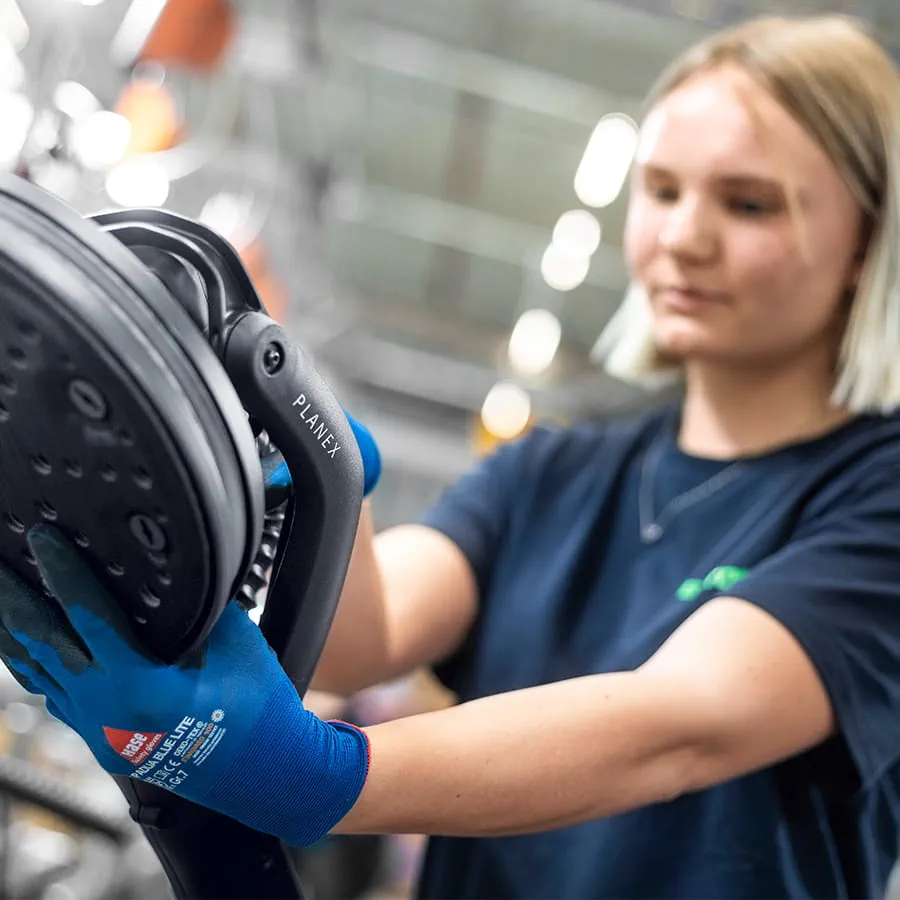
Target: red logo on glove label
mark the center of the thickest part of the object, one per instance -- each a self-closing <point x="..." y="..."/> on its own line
<point x="135" y="746"/>
<point x="166" y="758"/>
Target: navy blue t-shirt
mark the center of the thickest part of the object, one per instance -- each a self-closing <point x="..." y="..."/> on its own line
<point x="810" y="533"/>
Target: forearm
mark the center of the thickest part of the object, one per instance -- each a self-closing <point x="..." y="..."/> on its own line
<point x="408" y="600"/>
<point x="530" y="760"/>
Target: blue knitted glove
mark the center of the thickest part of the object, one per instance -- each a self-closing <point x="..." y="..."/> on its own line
<point x="226" y="729"/>
<point x="279" y="476"/>
<point x="371" y="456"/>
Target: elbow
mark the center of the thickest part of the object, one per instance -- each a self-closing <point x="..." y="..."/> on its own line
<point x="679" y="751"/>
<point x="705" y="762"/>
<point x="683" y="750"/>
<point x="343" y="678"/>
<point x="693" y="770"/>
<point x="680" y="771"/>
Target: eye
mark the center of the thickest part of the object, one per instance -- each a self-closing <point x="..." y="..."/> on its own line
<point x="753" y="209"/>
<point x="663" y="193"/>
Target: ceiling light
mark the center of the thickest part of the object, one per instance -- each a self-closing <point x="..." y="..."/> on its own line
<point x="12" y="71"/>
<point x="577" y="233"/>
<point x="534" y="341"/>
<point x="75" y="100"/>
<point x="506" y="410"/>
<point x="13" y="24"/>
<point x="17" y="114"/>
<point x="561" y="270"/>
<point x="229" y="216"/>
<point x="606" y="161"/>
<point x="140" y="182"/>
<point x="101" y="139"/>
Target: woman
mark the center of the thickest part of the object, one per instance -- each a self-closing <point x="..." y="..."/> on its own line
<point x="676" y="638"/>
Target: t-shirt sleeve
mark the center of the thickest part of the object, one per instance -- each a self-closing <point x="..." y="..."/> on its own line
<point x="474" y="512"/>
<point x="836" y="587"/>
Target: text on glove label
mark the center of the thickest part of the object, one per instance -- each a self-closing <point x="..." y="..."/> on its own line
<point x="166" y="758"/>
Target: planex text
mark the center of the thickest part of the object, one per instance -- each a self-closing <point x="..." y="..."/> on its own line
<point x="317" y="425"/>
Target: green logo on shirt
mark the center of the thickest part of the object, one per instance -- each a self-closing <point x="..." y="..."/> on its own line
<point x="720" y="579"/>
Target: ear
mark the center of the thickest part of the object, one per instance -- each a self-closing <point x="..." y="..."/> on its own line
<point x="857" y="264"/>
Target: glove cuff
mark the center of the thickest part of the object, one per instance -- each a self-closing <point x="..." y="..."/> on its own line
<point x="314" y="770"/>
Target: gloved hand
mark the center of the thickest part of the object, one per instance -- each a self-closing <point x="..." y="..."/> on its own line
<point x="371" y="456"/>
<point x="276" y="473"/>
<point x="226" y="730"/>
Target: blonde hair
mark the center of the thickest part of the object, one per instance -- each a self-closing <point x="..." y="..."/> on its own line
<point x="844" y="90"/>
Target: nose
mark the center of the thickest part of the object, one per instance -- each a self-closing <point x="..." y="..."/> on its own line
<point x="688" y="231"/>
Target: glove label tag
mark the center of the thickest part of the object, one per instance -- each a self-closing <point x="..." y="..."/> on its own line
<point x="135" y="746"/>
<point x="165" y="758"/>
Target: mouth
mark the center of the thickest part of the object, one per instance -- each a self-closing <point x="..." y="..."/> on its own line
<point x="686" y="299"/>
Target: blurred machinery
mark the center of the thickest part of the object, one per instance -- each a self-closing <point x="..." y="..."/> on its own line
<point x="65" y="833"/>
<point x="431" y="196"/>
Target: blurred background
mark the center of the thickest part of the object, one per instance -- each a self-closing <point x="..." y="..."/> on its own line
<point x="430" y="194"/>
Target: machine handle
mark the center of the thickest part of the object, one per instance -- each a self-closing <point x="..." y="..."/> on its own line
<point x="279" y="385"/>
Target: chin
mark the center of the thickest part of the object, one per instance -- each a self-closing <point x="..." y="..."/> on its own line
<point x="679" y="342"/>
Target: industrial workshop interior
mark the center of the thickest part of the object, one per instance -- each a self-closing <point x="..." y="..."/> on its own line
<point x="430" y="197"/>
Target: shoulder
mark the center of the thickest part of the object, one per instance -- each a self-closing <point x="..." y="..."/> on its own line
<point x="549" y="463"/>
<point x="559" y="451"/>
<point x="858" y="460"/>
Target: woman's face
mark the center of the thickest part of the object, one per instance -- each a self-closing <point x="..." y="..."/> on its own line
<point x="733" y="273"/>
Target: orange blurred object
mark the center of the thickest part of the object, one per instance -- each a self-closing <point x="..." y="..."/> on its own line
<point x="190" y="33"/>
<point x="270" y="290"/>
<point x="485" y="442"/>
<point x="151" y="109"/>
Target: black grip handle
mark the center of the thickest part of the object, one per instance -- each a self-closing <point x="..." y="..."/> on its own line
<point x="279" y="385"/>
<point x="206" y="855"/>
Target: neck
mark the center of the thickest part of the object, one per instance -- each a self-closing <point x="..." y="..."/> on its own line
<point x="731" y="413"/>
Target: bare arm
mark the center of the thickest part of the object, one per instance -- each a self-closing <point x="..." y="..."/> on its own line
<point x="408" y="600"/>
<point x="730" y="692"/>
